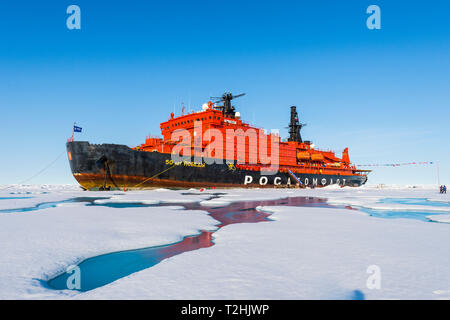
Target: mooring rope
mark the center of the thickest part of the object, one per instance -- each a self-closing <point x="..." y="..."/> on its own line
<point x="153" y="176"/>
<point x="395" y="164"/>
<point x="39" y="172"/>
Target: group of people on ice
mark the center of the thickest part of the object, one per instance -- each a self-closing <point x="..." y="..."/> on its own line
<point x="443" y="189"/>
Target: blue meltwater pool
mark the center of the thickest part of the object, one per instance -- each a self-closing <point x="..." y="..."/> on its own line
<point x="101" y="270"/>
<point x="407" y="213"/>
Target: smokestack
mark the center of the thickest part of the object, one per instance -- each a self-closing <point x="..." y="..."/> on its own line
<point x="294" y="126"/>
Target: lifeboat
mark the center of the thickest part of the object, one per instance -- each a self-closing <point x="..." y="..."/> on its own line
<point x="303" y="155"/>
<point x="317" y="157"/>
<point x="335" y="164"/>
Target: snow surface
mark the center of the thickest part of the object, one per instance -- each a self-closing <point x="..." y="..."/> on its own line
<point x="304" y="253"/>
<point x="39" y="244"/>
<point x="311" y="253"/>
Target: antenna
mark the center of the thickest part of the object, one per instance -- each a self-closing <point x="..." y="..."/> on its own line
<point x="227" y="109"/>
<point x="189" y="103"/>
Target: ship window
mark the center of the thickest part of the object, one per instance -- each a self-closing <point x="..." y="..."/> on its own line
<point x="214" y="117"/>
<point x="197" y="119"/>
<point x="209" y="117"/>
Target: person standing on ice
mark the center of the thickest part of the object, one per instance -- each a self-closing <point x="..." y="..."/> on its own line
<point x="444" y="189"/>
<point x="441" y="189"/>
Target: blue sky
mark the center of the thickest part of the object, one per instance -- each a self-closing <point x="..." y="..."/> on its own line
<point x="385" y="93"/>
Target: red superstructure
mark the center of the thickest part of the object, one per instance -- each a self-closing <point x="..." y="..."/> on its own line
<point x="295" y="155"/>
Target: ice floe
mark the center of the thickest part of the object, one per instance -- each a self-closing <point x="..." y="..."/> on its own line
<point x="306" y="253"/>
<point x="303" y="253"/>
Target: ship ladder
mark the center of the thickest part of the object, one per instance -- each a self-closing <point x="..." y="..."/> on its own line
<point x="295" y="177"/>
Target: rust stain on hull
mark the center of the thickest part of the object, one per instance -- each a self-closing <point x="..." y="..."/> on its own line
<point x="91" y="181"/>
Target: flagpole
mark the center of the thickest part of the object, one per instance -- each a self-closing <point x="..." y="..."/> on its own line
<point x="73" y="128"/>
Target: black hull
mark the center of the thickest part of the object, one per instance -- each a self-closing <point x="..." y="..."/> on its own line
<point x="118" y="166"/>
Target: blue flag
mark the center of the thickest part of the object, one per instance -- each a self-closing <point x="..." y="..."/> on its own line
<point x="76" y="129"/>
